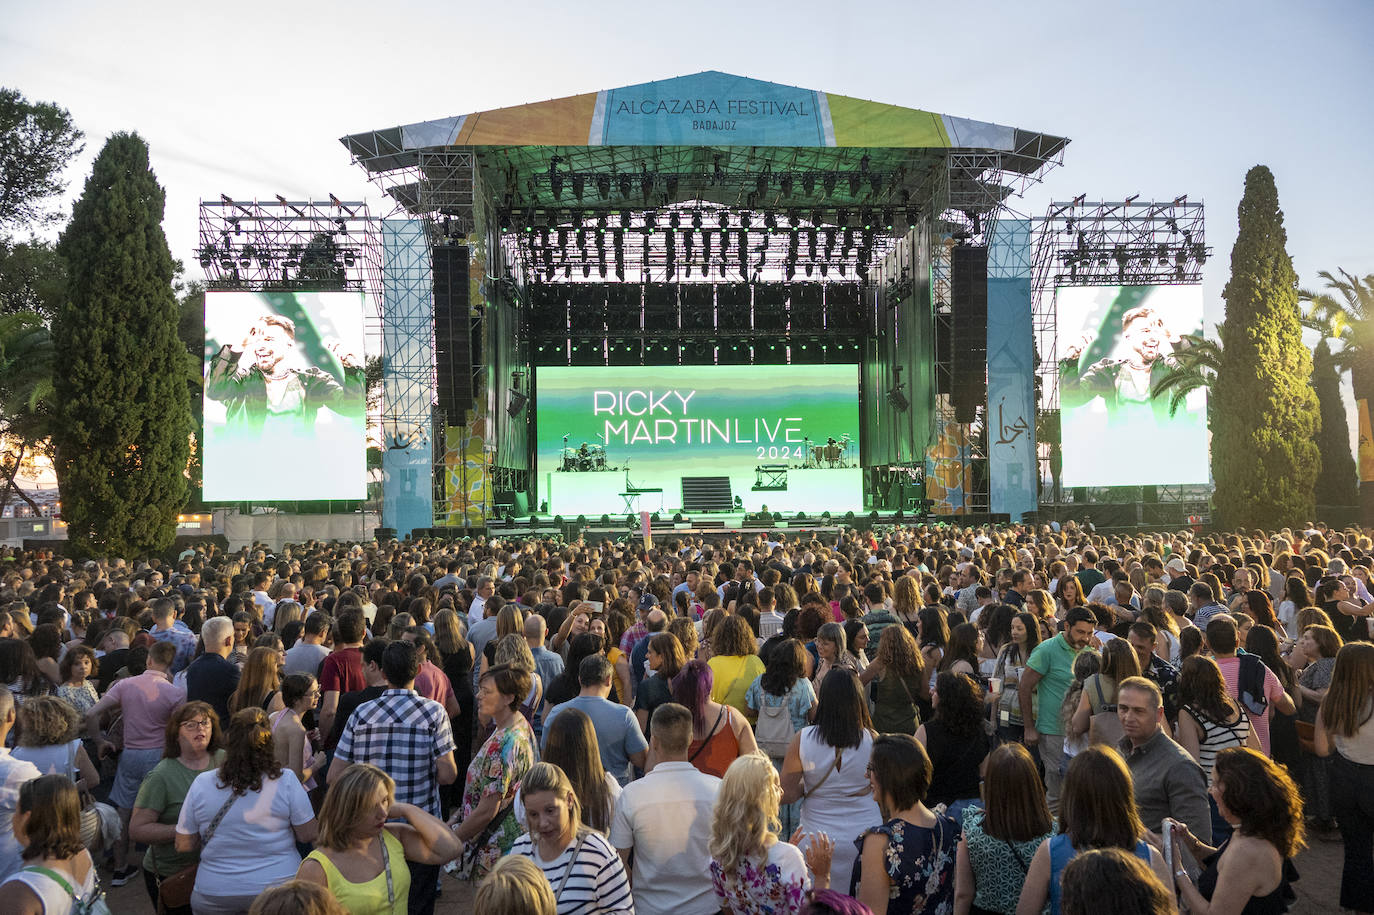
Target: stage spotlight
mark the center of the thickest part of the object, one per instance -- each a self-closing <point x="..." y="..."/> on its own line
<point x="671" y="183"/>
<point x="1200" y="252"/>
<point x="582" y="238"/>
<point x="696" y="219"/>
<point x="761" y="185"/>
<point x="674" y="220"/>
<point x="828" y="183"/>
<point x="602" y="221"/>
<point x="650" y="222"/>
<point x="808" y="183"/>
<point x="579" y="184"/>
<point x="875" y="181"/>
<point x="603" y="186"/>
<point x="205" y="261"/>
<point x="770" y="221"/>
<point x="825" y="268"/>
<point x="723" y="220"/>
<point x="567" y="271"/>
<point x="853" y="185"/>
<point x="786" y="185"/>
<point x="887" y="218"/>
<point x="911" y="216"/>
<point x="716" y="171"/>
<point x="745" y="221"/>
<point x="626" y="184"/>
<point x="624" y="219"/>
<point x="555" y="179"/>
<point x="790" y="271"/>
<point x="646" y="184"/>
<point x="586" y="271"/>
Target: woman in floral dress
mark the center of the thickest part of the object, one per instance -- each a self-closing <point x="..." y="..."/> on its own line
<point x="486" y="823"/>
<point x="752" y="871"/>
<point x="907" y="864"/>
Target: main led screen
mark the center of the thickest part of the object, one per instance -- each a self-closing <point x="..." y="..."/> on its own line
<point x="285" y="396"/>
<point x="1115" y="344"/>
<point x="605" y="430"/>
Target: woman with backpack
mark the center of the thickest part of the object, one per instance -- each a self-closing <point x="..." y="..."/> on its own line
<point x="1096" y="712"/>
<point x="784" y="702"/>
<point x="58" y="877"/>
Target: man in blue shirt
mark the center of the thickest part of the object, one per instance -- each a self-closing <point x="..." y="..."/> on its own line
<point x="618" y="736"/>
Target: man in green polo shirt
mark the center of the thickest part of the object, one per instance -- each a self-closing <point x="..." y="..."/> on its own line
<point x="1049" y="671"/>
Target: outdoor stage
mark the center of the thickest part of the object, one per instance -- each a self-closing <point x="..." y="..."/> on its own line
<point x="715" y="293"/>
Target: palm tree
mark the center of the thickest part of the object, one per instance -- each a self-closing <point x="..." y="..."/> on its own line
<point x="1194" y="366"/>
<point x="1345" y="313"/>
<point x="26" y="387"/>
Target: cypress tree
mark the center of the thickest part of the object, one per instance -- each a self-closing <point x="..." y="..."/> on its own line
<point x="1336" y="483"/>
<point x="1265" y="419"/>
<point x="121" y="431"/>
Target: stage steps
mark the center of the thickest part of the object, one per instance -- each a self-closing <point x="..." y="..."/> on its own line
<point x="707" y="494"/>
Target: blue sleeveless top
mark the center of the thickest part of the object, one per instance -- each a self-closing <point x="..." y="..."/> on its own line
<point x="1062" y="852"/>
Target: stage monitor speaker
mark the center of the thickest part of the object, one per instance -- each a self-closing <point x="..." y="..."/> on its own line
<point x="517" y="403"/>
<point x="969" y="339"/>
<point x="453" y="333"/>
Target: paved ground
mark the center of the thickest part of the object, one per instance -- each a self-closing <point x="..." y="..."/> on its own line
<point x="1318" y="891"/>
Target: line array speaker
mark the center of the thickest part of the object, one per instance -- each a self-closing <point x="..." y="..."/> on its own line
<point x="453" y="330"/>
<point x="969" y="346"/>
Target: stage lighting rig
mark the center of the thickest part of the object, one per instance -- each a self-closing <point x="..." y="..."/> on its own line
<point x="854" y="185"/>
<point x="696" y="219"/>
<point x="603" y="186"/>
<point x="828" y="183"/>
<point x="555" y="177"/>
<point x="626" y="185"/>
<point x="808" y="183"/>
<point x="785" y="184"/>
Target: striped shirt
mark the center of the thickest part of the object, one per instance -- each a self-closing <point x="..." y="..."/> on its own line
<point x="597" y="883"/>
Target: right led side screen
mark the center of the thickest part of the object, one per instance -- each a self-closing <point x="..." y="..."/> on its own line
<point x="1115" y="344"/>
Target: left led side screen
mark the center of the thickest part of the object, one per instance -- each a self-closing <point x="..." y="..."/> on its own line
<point x="285" y="397"/>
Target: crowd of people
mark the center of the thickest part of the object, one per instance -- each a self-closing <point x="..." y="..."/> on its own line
<point x="917" y="720"/>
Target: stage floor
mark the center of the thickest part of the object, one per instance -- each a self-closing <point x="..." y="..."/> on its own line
<point x="810" y="490"/>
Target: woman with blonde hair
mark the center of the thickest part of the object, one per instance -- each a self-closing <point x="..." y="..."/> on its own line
<point x="360" y="856"/>
<point x="296" y="897"/>
<point x="906" y="602"/>
<point x="515" y="886"/>
<point x="585" y="871"/>
<point x="753" y="872"/>
<point x="260" y="684"/>
<point x="510" y="620"/>
<point x="514" y="651"/>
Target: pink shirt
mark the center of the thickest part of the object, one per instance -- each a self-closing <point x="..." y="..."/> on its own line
<point x="1273" y="689"/>
<point x="432" y="683"/>
<point x="147" y="701"/>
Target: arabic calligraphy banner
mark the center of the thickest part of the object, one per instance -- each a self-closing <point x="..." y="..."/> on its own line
<point x="1012" y="476"/>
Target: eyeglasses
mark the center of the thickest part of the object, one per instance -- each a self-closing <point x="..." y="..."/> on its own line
<point x="197" y="724"/>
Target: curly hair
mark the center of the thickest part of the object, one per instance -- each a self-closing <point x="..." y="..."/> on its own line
<point x="1262" y="796"/>
<point x="686" y="632"/>
<point x="733" y="638"/>
<point x="898" y="653"/>
<point x="960" y="706"/>
<point x="46" y="721"/>
<point x="744" y="823"/>
<point x="249" y="753"/>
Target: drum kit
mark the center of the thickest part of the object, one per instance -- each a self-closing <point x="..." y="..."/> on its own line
<point x="834" y="453"/>
<point x="584" y="459"/>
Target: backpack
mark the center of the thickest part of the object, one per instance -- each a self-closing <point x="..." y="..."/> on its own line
<point x="1105" y="727"/>
<point x="1250" y="683"/>
<point x="774" y="731"/>
<point x="92" y="904"/>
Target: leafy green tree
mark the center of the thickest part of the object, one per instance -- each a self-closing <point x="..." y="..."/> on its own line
<point x="1336" y="484"/>
<point x="121" y="438"/>
<point x="1345" y="313"/>
<point x="1265" y="418"/>
<point x="37" y="142"/>
<point x="32" y="278"/>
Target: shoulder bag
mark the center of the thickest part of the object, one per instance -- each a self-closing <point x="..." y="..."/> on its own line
<point x="174" y="892"/>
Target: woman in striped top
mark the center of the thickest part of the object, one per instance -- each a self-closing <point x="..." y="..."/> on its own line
<point x="1210" y="721"/>
<point x="585" y="872"/>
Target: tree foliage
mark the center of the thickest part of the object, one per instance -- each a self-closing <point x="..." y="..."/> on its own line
<point x="1336" y="484"/>
<point x="37" y="142"/>
<point x="1195" y="366"/>
<point x="1265" y="459"/>
<point x="32" y="278"/>
<point x="121" y="439"/>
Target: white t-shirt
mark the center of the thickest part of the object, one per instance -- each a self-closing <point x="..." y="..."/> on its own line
<point x="666" y="818"/>
<point x="253" y="847"/>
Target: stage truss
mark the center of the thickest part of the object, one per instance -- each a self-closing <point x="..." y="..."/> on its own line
<point x="294" y="246"/>
<point x="564" y="216"/>
<point x="1096" y="243"/>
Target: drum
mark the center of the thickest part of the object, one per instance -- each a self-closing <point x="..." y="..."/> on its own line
<point x="832" y="454"/>
<point x="817" y="453"/>
<point x="567" y="459"/>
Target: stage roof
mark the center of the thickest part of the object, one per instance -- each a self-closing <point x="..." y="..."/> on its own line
<point x="709" y="109"/>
